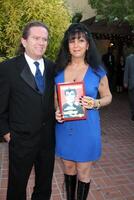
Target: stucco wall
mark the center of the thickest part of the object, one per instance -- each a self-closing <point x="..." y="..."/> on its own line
<point x="80" y="6"/>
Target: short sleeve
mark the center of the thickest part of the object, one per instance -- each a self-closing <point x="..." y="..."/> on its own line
<point x="59" y="78"/>
<point x="101" y="72"/>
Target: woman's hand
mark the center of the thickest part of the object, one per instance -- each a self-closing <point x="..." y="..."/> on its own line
<point x="87" y="102"/>
<point x="58" y="116"/>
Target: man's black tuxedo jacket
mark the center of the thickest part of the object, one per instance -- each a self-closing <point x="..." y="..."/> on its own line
<point x="22" y="108"/>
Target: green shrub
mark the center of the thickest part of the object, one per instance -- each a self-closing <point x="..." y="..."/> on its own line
<point x="16" y="13"/>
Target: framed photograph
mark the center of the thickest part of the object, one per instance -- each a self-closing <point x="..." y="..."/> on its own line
<point x="69" y="100"/>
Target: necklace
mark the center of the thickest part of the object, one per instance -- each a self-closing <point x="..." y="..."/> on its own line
<point x="75" y="78"/>
<point x="75" y="74"/>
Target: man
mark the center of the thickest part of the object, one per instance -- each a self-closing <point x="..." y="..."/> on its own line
<point x="27" y="114"/>
<point x="129" y="81"/>
<point x="109" y="62"/>
<point x="72" y="107"/>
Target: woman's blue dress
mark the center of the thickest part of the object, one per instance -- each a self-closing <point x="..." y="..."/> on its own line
<point x="80" y="140"/>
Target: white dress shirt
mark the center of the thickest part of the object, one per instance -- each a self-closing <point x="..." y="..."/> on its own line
<point x="32" y="66"/>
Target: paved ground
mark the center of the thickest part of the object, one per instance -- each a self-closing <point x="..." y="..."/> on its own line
<point x="113" y="175"/>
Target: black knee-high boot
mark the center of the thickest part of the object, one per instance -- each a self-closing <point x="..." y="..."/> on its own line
<point x="70" y="185"/>
<point x="82" y="190"/>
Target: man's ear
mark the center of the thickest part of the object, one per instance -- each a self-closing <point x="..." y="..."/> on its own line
<point x="23" y="41"/>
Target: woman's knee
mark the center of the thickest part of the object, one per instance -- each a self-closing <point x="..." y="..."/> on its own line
<point x="69" y="167"/>
<point x="84" y="172"/>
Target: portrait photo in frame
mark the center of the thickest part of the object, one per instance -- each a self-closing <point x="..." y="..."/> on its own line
<point x="69" y="95"/>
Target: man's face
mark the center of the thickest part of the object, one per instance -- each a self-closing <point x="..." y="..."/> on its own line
<point x="36" y="43"/>
<point x="70" y="96"/>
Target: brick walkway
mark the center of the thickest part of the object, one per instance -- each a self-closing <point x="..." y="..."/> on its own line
<point x="113" y="175"/>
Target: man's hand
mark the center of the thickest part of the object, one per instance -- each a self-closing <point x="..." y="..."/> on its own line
<point x="7" y="137"/>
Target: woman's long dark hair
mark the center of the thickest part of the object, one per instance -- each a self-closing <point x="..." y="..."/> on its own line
<point x="92" y="56"/>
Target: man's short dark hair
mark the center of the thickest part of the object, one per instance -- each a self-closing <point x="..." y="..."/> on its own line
<point x="70" y="90"/>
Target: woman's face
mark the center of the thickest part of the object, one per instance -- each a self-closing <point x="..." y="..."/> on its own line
<point x="70" y="96"/>
<point x="78" y="46"/>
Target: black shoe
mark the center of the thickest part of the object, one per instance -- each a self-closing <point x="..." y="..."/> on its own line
<point x="70" y="184"/>
<point x="82" y="190"/>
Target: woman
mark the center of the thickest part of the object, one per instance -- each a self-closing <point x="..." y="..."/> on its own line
<point x="78" y="143"/>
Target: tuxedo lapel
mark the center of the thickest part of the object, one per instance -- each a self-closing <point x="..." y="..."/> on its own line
<point x="27" y="75"/>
